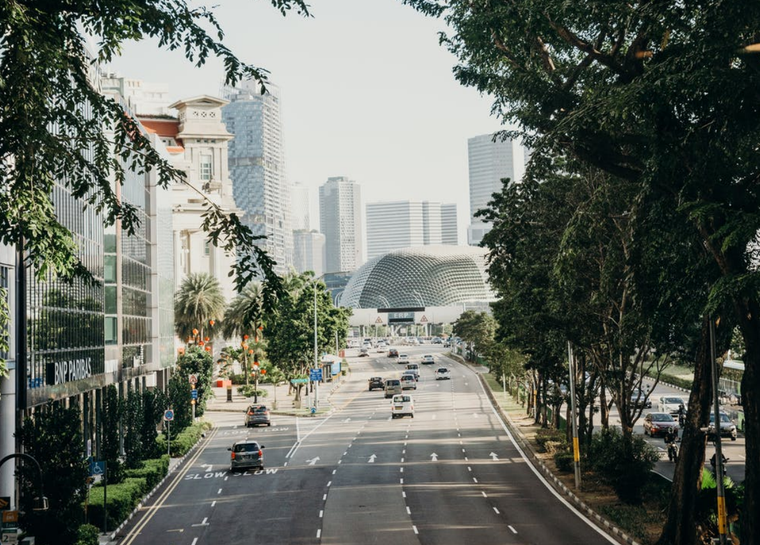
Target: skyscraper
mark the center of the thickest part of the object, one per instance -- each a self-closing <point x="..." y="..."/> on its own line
<point x="403" y="224"/>
<point x="257" y="167"/>
<point x="489" y="163"/>
<point x="340" y="220"/>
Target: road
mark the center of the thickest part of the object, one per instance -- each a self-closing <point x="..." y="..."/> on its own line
<point x="450" y="475"/>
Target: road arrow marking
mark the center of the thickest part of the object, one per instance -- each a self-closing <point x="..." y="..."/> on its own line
<point x="493" y="456"/>
<point x="434" y="457"/>
<point x="313" y="461"/>
<point x="372" y="459"/>
<point x="207" y="466"/>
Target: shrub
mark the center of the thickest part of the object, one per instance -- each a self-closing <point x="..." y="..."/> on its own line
<point x="249" y="391"/>
<point x="564" y="461"/>
<point x="88" y="535"/>
<point x="184" y="440"/>
<point x="622" y="463"/>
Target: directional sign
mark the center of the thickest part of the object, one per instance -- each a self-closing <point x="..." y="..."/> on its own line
<point x="315" y="374"/>
<point x="169" y="415"/>
<point x="299" y="380"/>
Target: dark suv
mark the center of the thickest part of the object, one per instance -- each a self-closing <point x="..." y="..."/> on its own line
<point x="246" y="454"/>
<point x="376" y="382"/>
<point x="257" y="414"/>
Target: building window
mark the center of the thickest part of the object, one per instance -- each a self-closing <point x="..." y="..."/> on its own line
<point x="207" y="167"/>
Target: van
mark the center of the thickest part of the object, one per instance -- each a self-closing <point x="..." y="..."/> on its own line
<point x="392" y="387"/>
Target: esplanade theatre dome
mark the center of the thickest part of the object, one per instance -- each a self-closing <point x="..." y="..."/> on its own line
<point x="423" y="276"/>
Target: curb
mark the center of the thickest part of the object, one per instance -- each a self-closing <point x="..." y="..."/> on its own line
<point x="556" y="483"/>
<point x="180" y="461"/>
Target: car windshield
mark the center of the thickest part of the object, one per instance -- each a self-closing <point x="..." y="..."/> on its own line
<point x="657" y="417"/>
<point x="672" y="400"/>
<point x="247" y="447"/>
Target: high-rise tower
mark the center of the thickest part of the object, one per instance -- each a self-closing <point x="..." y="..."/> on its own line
<point x="340" y="220"/>
<point x="257" y="167"/>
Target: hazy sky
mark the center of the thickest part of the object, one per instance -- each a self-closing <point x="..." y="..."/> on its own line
<point x="366" y="90"/>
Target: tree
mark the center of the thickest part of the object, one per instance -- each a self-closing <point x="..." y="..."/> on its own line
<point x="664" y="98"/>
<point x="54" y="438"/>
<point x="197" y="303"/>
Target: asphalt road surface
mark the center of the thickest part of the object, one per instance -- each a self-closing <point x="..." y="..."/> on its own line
<point x="450" y="475"/>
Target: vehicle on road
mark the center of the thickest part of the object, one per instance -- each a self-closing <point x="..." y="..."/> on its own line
<point x="392" y="387"/>
<point x="670" y="404"/>
<point x="376" y="382"/>
<point x="408" y="381"/>
<point x="414" y="368"/>
<point x="363" y="352"/>
<point x="442" y="373"/>
<point x="403" y="358"/>
<point x="640" y="400"/>
<point x="727" y="427"/>
<point x="428" y="359"/>
<point x="658" y="424"/>
<point x="402" y="405"/>
<point x="246" y="454"/>
<point x="392" y="353"/>
<point x="257" y="414"/>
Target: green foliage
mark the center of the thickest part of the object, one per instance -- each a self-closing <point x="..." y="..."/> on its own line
<point x="184" y="440"/>
<point x="198" y="362"/>
<point x="111" y="419"/>
<point x="622" y="463"/>
<point x="249" y="390"/>
<point x="53" y="437"/>
<point x="87" y="534"/>
<point x="198" y="301"/>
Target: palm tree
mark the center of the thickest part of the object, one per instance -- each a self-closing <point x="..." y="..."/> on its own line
<point x="197" y="305"/>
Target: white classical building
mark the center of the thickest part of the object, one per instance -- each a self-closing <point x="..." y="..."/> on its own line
<point x="197" y="142"/>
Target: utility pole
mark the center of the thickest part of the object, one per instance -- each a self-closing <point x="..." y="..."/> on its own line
<point x="576" y="448"/>
<point x="722" y="524"/>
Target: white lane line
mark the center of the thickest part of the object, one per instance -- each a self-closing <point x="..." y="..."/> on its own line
<point x="513" y="530"/>
<point x="319" y="532"/>
<point x="496" y="510"/>
<point x="213" y="503"/>
<point x="409" y="511"/>
<point x="415" y="529"/>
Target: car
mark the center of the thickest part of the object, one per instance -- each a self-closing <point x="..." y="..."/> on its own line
<point x="727" y="427"/>
<point x="392" y="387"/>
<point x="408" y="382"/>
<point x="403" y="358"/>
<point x="442" y="373"/>
<point x="428" y="359"/>
<point x="246" y="454"/>
<point x="670" y="404"/>
<point x="376" y="382"/>
<point x="402" y="405"/>
<point x="639" y="399"/>
<point x="414" y="368"/>
<point x="658" y="423"/>
<point x="363" y="353"/>
<point x="393" y="353"/>
<point x="257" y="414"/>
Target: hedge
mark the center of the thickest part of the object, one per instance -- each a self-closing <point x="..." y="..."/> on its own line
<point x="184" y="440"/>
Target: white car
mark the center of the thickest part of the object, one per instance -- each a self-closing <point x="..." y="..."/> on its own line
<point x="403" y="358"/>
<point x="428" y="359"/>
<point x="402" y="405"/>
<point x="670" y="404"/>
<point x="442" y="373"/>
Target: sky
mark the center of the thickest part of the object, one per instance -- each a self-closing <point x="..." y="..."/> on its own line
<point x="366" y="92"/>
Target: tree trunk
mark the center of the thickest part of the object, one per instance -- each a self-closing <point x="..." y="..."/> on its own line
<point x="748" y="313"/>
<point x="680" y="528"/>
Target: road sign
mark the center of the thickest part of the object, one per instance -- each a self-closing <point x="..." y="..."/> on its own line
<point x="299" y="380"/>
<point x="97" y="468"/>
<point x="194" y="394"/>
<point x="169" y="415"/>
<point x="423" y="320"/>
<point x="315" y="374"/>
<point x="5" y="502"/>
<point x="379" y="320"/>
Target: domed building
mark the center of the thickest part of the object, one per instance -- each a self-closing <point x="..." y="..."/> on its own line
<point x="424" y="276"/>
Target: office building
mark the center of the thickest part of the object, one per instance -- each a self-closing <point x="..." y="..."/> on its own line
<point x="489" y="163"/>
<point x="309" y="252"/>
<point x="257" y="167"/>
<point x="403" y="224"/>
<point x="340" y="220"/>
